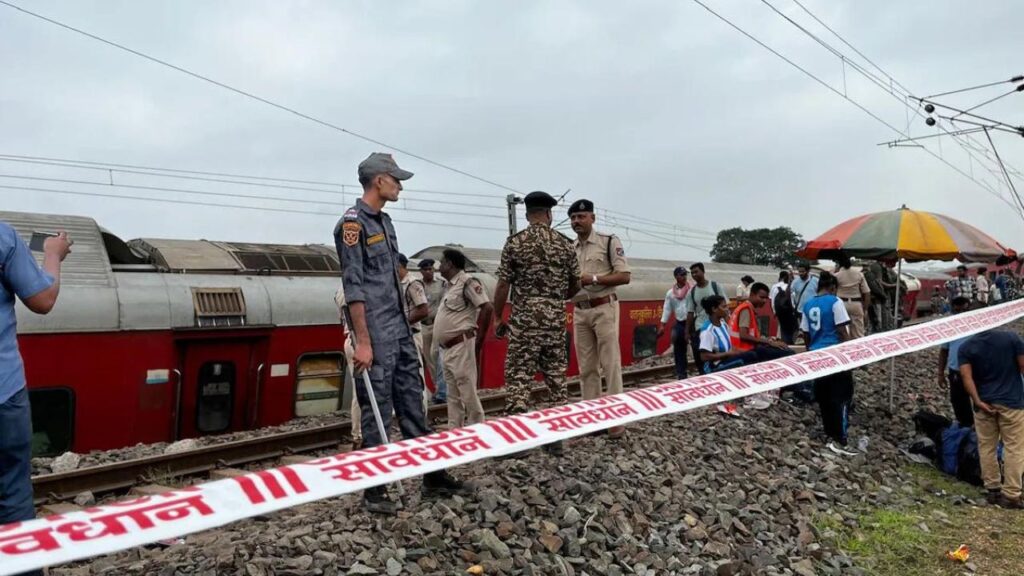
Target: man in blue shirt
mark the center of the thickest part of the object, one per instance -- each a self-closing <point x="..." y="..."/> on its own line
<point x="992" y="368"/>
<point x="949" y="368"/>
<point x="825" y="322"/>
<point x="804" y="287"/>
<point x="37" y="288"/>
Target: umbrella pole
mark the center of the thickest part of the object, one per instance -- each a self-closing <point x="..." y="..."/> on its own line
<point x="896" y="317"/>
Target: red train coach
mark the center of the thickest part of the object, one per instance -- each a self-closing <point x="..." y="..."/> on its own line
<point x="154" y="340"/>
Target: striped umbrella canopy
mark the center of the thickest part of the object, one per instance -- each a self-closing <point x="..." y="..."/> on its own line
<point x="908" y="234"/>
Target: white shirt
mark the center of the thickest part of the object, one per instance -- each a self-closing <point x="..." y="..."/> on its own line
<point x="673" y="305"/>
<point x="982" y="283"/>
<point x="742" y="292"/>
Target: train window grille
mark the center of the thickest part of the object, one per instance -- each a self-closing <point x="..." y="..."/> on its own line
<point x="53" y="420"/>
<point x="645" y="341"/>
<point x="287" y="262"/>
<point x="319" y="383"/>
<point x="219" y="306"/>
<point x="216" y="401"/>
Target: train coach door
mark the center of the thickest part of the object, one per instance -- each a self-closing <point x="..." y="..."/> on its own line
<point x="217" y="380"/>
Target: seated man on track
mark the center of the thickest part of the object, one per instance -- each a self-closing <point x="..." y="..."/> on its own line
<point x="717" y="351"/>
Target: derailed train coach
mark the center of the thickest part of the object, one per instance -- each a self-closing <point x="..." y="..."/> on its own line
<point x="154" y="340"/>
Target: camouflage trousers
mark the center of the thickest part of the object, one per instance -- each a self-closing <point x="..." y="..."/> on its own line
<point x="529" y="352"/>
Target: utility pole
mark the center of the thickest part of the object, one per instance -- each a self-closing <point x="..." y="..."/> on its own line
<point x="510" y="202"/>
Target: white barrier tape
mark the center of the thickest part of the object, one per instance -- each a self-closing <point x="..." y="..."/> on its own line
<point x="103" y="529"/>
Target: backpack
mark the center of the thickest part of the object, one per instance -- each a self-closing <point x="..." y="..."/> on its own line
<point x="783" y="305"/>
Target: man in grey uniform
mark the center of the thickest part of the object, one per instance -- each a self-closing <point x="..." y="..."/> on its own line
<point x="368" y="249"/>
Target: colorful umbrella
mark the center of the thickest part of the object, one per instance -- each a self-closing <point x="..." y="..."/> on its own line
<point x="908" y="234"/>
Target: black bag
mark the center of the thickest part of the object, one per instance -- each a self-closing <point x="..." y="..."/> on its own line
<point x="785" y="311"/>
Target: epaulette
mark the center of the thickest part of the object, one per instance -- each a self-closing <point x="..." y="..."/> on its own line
<point x="351" y="214"/>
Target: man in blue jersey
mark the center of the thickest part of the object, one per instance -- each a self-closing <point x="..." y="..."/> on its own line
<point x="949" y="370"/>
<point x="825" y="322"/>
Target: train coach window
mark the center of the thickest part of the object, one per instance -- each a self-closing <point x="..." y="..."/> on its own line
<point x="53" y="420"/>
<point x="645" y="341"/>
<point x="318" y="383"/>
<point x="216" y="397"/>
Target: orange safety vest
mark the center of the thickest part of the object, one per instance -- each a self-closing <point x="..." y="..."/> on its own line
<point x="734" y="326"/>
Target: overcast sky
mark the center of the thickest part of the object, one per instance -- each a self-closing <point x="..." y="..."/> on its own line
<point x="653" y="109"/>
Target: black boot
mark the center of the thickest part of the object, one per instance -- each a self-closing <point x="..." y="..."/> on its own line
<point x="556" y="449"/>
<point x="376" y="500"/>
<point x="441" y="483"/>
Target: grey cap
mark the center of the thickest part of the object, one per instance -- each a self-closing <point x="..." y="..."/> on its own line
<point x="381" y="163"/>
<point x="538" y="199"/>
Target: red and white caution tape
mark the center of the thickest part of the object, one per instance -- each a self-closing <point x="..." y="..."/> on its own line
<point x="103" y="529"/>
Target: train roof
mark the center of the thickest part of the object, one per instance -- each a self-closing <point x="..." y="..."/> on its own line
<point x="643" y="270"/>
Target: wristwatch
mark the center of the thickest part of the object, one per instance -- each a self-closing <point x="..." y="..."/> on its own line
<point x="593" y="278"/>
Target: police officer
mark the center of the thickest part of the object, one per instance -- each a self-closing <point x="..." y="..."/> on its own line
<point x="595" y="307"/>
<point x="539" y="265"/>
<point x="368" y="250"/>
<point x="434" y="290"/>
<point x="462" y="323"/>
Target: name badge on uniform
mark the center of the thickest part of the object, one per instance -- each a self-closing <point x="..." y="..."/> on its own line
<point x="376" y="238"/>
<point x="350" y="233"/>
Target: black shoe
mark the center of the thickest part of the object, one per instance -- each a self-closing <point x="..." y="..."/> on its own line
<point x="441" y="483"/>
<point x="556" y="449"/>
<point x="1008" y="503"/>
<point x="992" y="496"/>
<point x="376" y="500"/>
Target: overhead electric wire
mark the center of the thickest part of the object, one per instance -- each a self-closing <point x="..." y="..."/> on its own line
<point x="1010" y="81"/>
<point x="183" y="174"/>
<point x="905" y="93"/>
<point x="232" y="206"/>
<point x="257" y="98"/>
<point x="858" y="68"/>
<point x="247" y="196"/>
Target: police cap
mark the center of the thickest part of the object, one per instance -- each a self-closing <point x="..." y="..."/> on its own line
<point x="581" y="205"/>
<point x="381" y="163"/>
<point x="426" y="263"/>
<point x="538" y="199"/>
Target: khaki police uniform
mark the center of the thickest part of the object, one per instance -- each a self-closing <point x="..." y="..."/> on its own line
<point x="434" y="292"/>
<point x="455" y="333"/>
<point x="852" y="288"/>
<point x="596" y="315"/>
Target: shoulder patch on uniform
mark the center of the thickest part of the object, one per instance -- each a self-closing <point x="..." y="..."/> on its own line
<point x="376" y="238"/>
<point x="351" y="214"/>
<point x="478" y="287"/>
<point x="619" y="251"/>
<point x="350" y="233"/>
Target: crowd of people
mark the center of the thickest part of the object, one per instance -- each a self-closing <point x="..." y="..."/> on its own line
<point x="399" y="328"/>
<point x="443" y="323"/>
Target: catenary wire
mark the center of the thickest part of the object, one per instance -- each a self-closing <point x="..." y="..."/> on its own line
<point x="245" y="196"/>
<point x="829" y="87"/>
<point x="232" y="206"/>
<point x="257" y="98"/>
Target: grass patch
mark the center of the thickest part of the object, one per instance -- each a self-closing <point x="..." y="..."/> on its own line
<point x="913" y="540"/>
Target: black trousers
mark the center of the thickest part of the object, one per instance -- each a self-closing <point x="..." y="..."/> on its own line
<point x="961" y="401"/>
<point x="834" y="394"/>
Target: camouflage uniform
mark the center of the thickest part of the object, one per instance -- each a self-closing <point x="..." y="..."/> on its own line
<point x="539" y="264"/>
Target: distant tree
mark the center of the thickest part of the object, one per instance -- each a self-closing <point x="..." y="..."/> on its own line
<point x="774" y="247"/>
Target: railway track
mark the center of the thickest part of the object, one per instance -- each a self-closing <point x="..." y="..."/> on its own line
<point x="120" y="476"/>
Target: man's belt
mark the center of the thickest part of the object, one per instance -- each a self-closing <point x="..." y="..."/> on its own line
<point x="459" y="338"/>
<point x="850" y="299"/>
<point x="587" y="304"/>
